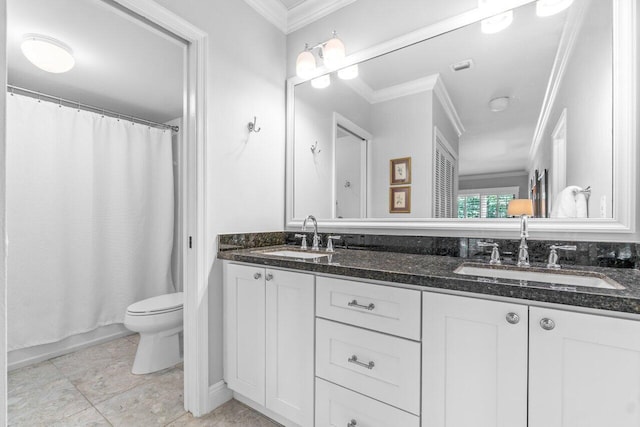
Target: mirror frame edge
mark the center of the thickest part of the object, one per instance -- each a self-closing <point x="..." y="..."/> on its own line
<point x="625" y="155"/>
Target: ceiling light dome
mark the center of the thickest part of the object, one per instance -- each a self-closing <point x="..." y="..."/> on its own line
<point x="47" y="53"/>
<point x="551" y="7"/>
<point x="499" y="104"/>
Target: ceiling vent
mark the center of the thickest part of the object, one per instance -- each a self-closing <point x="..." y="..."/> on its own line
<point x="462" y="65"/>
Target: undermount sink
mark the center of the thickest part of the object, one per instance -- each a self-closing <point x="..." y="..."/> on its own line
<point x="295" y="254"/>
<point x="565" y="278"/>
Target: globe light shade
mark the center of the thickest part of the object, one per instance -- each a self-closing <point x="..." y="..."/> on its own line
<point x="321" y="82"/>
<point x="497" y="23"/>
<point x="47" y="53"/>
<point x="333" y="53"/>
<point x="305" y="64"/>
<point x="349" y="72"/>
<point x="551" y="7"/>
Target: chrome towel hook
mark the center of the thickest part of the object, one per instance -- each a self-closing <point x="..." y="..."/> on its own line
<point x="252" y="126"/>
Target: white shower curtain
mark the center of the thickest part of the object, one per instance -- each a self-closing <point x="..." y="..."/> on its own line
<point x="89" y="219"/>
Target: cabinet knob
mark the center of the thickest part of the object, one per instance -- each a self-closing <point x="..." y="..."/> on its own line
<point x="257" y="276"/>
<point x="547" y="324"/>
<point x="352" y="423"/>
<point x="513" y="318"/>
<point x="269" y="277"/>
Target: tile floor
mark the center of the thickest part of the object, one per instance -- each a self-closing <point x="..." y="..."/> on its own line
<point x="95" y="387"/>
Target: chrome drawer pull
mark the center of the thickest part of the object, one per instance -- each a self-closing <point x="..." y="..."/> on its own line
<point x="354" y="359"/>
<point x="369" y="307"/>
<point x="352" y="423"/>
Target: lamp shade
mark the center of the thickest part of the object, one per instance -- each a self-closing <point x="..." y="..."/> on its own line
<point x="333" y="53"/>
<point x="305" y="64"/>
<point x="47" y="53"/>
<point x="519" y="207"/>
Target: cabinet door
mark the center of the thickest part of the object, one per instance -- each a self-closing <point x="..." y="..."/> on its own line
<point x="244" y="330"/>
<point x="584" y="370"/>
<point x="290" y="340"/>
<point x="474" y="362"/>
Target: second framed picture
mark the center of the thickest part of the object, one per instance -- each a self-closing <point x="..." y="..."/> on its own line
<point x="400" y="171"/>
<point x="400" y="199"/>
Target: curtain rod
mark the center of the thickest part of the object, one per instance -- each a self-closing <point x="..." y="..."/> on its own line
<point x="11" y="89"/>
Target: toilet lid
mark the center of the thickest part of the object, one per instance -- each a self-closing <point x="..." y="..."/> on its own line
<point x="161" y="303"/>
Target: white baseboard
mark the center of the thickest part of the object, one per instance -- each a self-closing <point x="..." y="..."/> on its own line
<point x="30" y="355"/>
<point x="218" y="395"/>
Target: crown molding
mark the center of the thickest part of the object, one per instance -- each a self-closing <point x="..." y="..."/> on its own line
<point x="304" y="14"/>
<point x="273" y="11"/>
<point x="312" y="10"/>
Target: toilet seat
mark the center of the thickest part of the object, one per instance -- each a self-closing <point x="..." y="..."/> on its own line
<point x="157" y="305"/>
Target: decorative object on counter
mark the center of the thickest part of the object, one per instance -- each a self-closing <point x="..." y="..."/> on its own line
<point x="553" y="254"/>
<point x="331" y="51"/>
<point x="539" y="191"/>
<point x="314" y="149"/>
<point x="400" y="171"/>
<point x="572" y="202"/>
<point x="252" y="126"/>
<point x="522" y="208"/>
<point x="400" y="199"/>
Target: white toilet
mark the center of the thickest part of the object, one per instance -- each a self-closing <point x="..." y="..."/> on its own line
<point x="159" y="321"/>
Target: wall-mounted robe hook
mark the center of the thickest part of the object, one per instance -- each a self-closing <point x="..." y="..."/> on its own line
<point x="252" y="126"/>
<point x="314" y="148"/>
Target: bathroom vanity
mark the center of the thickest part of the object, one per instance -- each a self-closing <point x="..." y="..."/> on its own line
<point x="380" y="338"/>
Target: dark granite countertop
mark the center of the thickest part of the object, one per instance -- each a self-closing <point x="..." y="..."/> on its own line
<point x="437" y="272"/>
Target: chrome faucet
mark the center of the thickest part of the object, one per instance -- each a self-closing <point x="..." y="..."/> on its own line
<point x="523" y="250"/>
<point x="495" y="253"/>
<point x="316" y="240"/>
<point x="553" y="255"/>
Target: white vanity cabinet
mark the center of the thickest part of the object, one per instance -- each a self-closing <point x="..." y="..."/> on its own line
<point x="583" y="370"/>
<point x="474" y="362"/>
<point x="269" y="339"/>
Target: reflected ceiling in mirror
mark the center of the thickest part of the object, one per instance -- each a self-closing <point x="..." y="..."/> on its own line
<point x="522" y="113"/>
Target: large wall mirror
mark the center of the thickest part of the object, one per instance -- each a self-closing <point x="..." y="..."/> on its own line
<point x="443" y="132"/>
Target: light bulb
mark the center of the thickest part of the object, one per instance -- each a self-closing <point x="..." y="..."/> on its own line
<point x="551" y="7"/>
<point x="47" y="53"/>
<point x="305" y="64"/>
<point x="349" y="72"/>
<point x="333" y="53"/>
<point x="321" y="82"/>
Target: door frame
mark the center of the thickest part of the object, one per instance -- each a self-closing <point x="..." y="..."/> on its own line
<point x="194" y="206"/>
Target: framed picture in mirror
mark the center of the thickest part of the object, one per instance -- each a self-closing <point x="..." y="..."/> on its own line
<point x="400" y="199"/>
<point x="400" y="171"/>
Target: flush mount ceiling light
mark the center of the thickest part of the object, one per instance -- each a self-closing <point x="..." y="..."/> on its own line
<point x="321" y="82"/>
<point x="499" y="104"/>
<point x="496" y="23"/>
<point x="349" y="72"/>
<point x="47" y="53"/>
<point x="551" y="7"/>
<point x="331" y="51"/>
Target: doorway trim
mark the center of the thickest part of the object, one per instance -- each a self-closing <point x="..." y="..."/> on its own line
<point x="194" y="207"/>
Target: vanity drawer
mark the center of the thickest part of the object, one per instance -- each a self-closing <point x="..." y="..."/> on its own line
<point x="337" y="406"/>
<point x="387" y="309"/>
<point x="386" y="368"/>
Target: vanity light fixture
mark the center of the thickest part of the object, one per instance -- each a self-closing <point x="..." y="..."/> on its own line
<point x="348" y="73"/>
<point x="331" y="51"/>
<point x="551" y="7"/>
<point x="496" y="23"/>
<point x="47" y="53"/>
<point x="499" y="104"/>
<point x="321" y="82"/>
